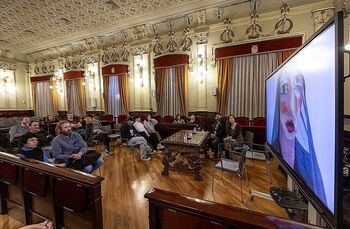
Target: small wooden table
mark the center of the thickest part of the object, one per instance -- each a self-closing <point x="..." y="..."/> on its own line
<point x="175" y="145"/>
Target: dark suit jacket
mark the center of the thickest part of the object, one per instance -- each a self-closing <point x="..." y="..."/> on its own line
<point x="221" y="130"/>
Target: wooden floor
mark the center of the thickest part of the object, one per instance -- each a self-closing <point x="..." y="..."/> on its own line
<point x="126" y="182"/>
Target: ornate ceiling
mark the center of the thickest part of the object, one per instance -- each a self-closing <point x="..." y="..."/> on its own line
<point x="39" y="26"/>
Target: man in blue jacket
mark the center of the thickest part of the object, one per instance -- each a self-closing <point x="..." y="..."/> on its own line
<point x="70" y="145"/>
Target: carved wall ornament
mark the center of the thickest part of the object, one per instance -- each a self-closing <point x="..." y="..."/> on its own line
<point x="188" y="19"/>
<point x="202" y="38"/>
<point x="67" y="64"/>
<point x="36" y="68"/>
<point x="138" y="32"/>
<point x="219" y="12"/>
<point x="227" y="34"/>
<point x="153" y="29"/>
<point x="51" y="66"/>
<point x="201" y="17"/>
<point x="124" y="34"/>
<point x="321" y="16"/>
<point x="140" y="49"/>
<point x="157" y="48"/>
<point x="43" y="68"/>
<point x="186" y="41"/>
<point x="105" y="57"/>
<point x="170" y="23"/>
<point x="171" y="46"/>
<point x="125" y="53"/>
<point x="114" y="55"/>
<point x="254" y="30"/>
<point x="285" y="24"/>
<point x="81" y="61"/>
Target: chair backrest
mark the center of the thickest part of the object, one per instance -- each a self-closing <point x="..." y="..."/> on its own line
<point x="157" y="117"/>
<point x="142" y="118"/>
<point x="107" y="117"/>
<point x="249" y="137"/>
<point x="243" y="121"/>
<point x="168" y="119"/>
<point x="122" y="118"/>
<point x="259" y="121"/>
<point x="242" y="160"/>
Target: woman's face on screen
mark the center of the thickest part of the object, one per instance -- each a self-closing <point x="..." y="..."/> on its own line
<point x="291" y="93"/>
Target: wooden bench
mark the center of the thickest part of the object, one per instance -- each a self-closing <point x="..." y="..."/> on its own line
<point x="32" y="191"/>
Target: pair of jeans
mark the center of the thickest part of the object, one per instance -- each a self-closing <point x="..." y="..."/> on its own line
<point x="142" y="142"/>
<point x="94" y="166"/>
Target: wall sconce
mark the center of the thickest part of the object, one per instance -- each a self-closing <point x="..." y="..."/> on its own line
<point x="56" y="82"/>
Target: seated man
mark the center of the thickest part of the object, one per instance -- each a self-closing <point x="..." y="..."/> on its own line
<point x="218" y="136"/>
<point x="151" y="138"/>
<point x="76" y="125"/>
<point x="17" y="131"/>
<point x="129" y="132"/>
<point x="69" y="146"/>
<point x="44" y="137"/>
<point x="94" y="131"/>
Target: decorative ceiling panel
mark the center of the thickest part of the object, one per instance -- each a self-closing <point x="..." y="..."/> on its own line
<point x="29" y="22"/>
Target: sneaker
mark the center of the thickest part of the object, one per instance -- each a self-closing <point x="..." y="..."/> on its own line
<point x="107" y="153"/>
<point x="160" y="146"/>
<point x="153" y="152"/>
<point x="148" y="149"/>
<point x="146" y="159"/>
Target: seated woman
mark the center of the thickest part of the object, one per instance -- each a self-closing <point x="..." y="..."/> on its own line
<point x="31" y="150"/>
<point x="179" y="120"/>
<point x="233" y="133"/>
<point x="149" y="124"/>
<point x="192" y="119"/>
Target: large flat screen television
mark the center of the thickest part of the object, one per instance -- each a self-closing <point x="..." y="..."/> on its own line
<point x="302" y="105"/>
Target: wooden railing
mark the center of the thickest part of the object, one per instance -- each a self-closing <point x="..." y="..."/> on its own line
<point x="32" y="191"/>
<point x="172" y="210"/>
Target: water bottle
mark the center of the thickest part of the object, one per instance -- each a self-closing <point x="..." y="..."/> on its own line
<point x="185" y="137"/>
<point x="194" y="131"/>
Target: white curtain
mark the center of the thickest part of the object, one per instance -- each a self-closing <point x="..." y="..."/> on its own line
<point x="73" y="96"/>
<point x="247" y="93"/>
<point x="171" y="102"/>
<point x="43" y="101"/>
<point x="114" y="102"/>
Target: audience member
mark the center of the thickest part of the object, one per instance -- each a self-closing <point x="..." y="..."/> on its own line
<point x="76" y="125"/>
<point x="21" y="129"/>
<point x="30" y="148"/>
<point x="44" y="137"/>
<point x="149" y="124"/>
<point x="69" y="147"/>
<point x="179" y="120"/>
<point x="151" y="138"/>
<point x="50" y="119"/>
<point x="192" y="119"/>
<point x="218" y="135"/>
<point x="130" y="133"/>
<point x="95" y="131"/>
<point x="233" y="133"/>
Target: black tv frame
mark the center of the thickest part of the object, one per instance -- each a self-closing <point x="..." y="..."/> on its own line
<point x="334" y="220"/>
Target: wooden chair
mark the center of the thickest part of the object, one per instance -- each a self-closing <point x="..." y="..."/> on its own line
<point x="107" y="117"/>
<point x="259" y="121"/>
<point x="168" y="119"/>
<point x="122" y="118"/>
<point x="243" y="121"/>
<point x="157" y="117"/>
<point x="235" y="167"/>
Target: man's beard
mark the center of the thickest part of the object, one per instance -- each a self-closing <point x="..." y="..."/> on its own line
<point x="66" y="132"/>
